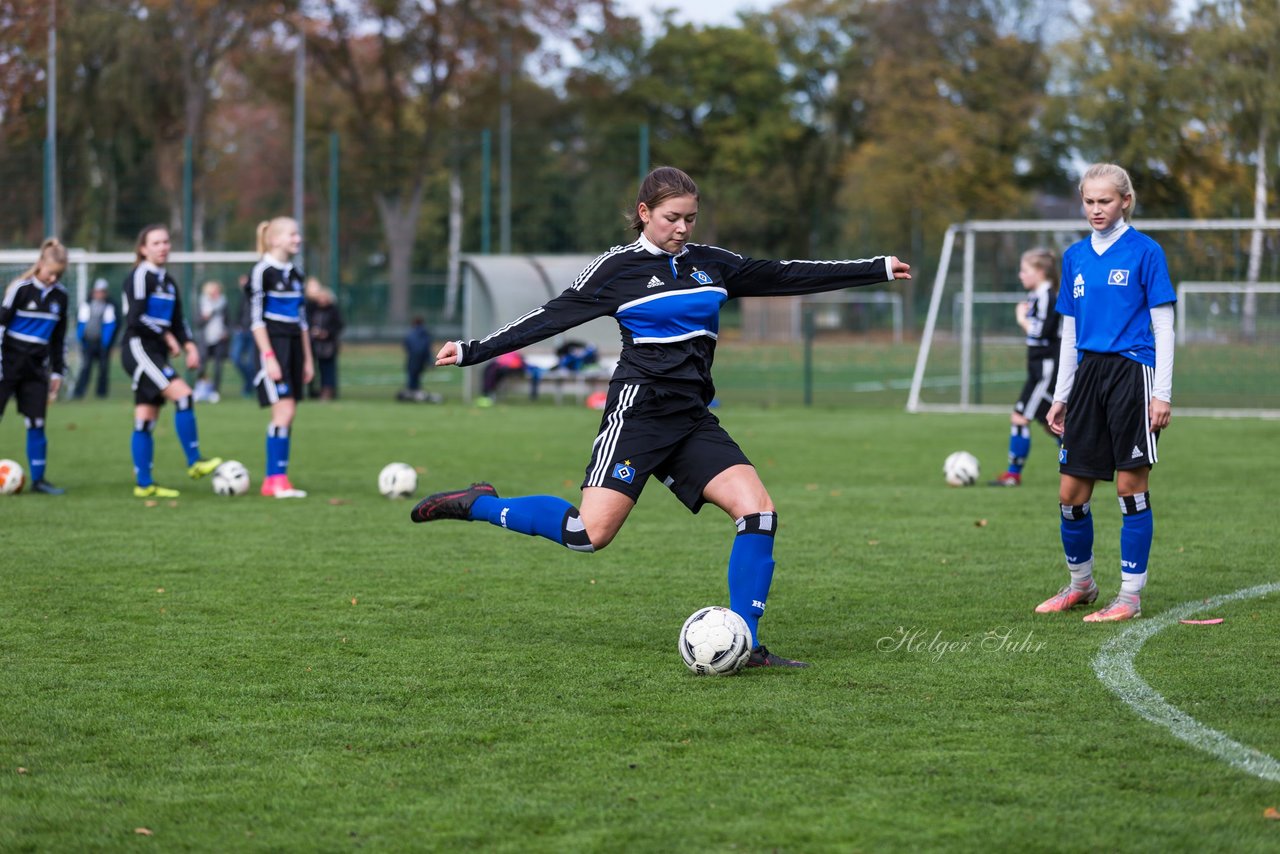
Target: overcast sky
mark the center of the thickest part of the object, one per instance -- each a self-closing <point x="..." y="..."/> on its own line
<point x="694" y="11"/>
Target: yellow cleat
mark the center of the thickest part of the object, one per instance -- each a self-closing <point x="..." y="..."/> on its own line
<point x="200" y="468"/>
<point x="154" y="491"/>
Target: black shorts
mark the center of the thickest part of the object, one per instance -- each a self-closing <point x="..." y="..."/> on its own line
<point x="661" y="431"/>
<point x="1037" y="392"/>
<point x="1108" y="425"/>
<point x="147" y="364"/>
<point x="289" y="354"/>
<point x="28" y="381"/>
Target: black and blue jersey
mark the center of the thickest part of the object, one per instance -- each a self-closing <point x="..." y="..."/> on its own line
<point x="275" y="295"/>
<point x="153" y="306"/>
<point x="668" y="306"/>
<point x="33" y="325"/>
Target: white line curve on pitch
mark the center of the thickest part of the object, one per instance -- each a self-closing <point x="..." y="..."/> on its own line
<point x="1114" y="667"/>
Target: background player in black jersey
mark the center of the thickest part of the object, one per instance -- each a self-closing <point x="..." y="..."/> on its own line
<point x="1038" y="272"/>
<point x="33" y="360"/>
<point x="156" y="329"/>
<point x="666" y="295"/>
<point x="278" y="319"/>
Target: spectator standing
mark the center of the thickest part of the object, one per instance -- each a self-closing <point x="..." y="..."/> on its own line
<point x="212" y="320"/>
<point x="324" y="321"/>
<point x="95" y="330"/>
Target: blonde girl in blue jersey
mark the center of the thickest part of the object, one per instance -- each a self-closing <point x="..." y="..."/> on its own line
<point x="1115" y="378"/>
<point x="279" y="323"/>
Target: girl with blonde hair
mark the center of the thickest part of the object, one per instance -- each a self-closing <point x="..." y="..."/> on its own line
<point x="33" y="359"/>
<point x="278" y="319"/>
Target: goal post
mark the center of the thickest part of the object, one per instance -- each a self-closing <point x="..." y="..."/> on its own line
<point x="972" y="356"/>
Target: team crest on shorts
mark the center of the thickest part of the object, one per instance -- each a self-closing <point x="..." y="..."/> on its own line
<point x="624" y="472"/>
<point x="169" y="371"/>
<point x="1062" y="456"/>
<point x="282" y="388"/>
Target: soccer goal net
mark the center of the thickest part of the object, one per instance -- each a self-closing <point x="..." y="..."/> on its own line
<point x="972" y="355"/>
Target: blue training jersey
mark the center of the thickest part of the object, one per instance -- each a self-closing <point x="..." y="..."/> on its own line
<point x="1111" y="295"/>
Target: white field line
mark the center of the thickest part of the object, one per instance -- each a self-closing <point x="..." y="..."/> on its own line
<point x="1114" y="666"/>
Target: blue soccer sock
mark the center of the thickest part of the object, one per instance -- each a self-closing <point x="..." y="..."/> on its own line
<point x="537" y="516"/>
<point x="751" y="568"/>
<point x="1077" y="543"/>
<point x="143" y="448"/>
<point x="1019" y="447"/>
<point x="37" y="448"/>
<point x="1136" y="531"/>
<point x="277" y="450"/>
<point x="184" y="424"/>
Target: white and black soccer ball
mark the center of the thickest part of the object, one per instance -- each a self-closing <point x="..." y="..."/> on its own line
<point x="961" y="469"/>
<point x="715" y="642"/>
<point x="398" y="480"/>
<point x="12" y="477"/>
<point x="231" y="478"/>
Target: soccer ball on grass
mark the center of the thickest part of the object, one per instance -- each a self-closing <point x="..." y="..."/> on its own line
<point x="398" y="480"/>
<point x="12" y="477"/>
<point x="715" y="641"/>
<point x="961" y="469"/>
<point x="231" y="478"/>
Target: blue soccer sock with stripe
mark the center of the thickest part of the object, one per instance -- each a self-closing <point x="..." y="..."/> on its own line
<point x="544" y="516"/>
<point x="184" y="424"/>
<point x="1136" y="531"/>
<point x="751" y="568"/>
<point x="143" y="448"/>
<point x="1019" y="447"/>
<point x="277" y="449"/>
<point x="37" y="448"/>
<point x="1077" y="543"/>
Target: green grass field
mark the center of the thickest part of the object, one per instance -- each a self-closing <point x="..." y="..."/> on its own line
<point x="246" y="674"/>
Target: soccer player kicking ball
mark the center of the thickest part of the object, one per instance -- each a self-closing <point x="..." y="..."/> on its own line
<point x="666" y="294"/>
<point x="1115" y="377"/>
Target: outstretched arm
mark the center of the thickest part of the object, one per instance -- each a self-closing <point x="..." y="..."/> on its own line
<point x="572" y="308"/>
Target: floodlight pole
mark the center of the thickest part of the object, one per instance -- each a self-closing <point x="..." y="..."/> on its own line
<point x="299" y="122"/>
<point x="51" y="128"/>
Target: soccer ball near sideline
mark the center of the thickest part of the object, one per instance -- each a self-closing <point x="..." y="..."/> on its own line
<point x="715" y="642"/>
<point x="398" y="480"/>
<point x="231" y="478"/>
<point x="12" y="477"/>
<point x="961" y="469"/>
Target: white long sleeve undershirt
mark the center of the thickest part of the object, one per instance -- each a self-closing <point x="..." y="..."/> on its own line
<point x="1162" y="330"/>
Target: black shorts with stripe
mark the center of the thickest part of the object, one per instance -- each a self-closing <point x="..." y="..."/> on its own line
<point x="28" y="380"/>
<point x="1036" y="396"/>
<point x="289" y="354"/>
<point x="1108" y="425"/>
<point x="147" y="364"/>
<point x="663" y="431"/>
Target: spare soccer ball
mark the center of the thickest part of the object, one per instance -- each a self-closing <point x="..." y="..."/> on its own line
<point x="231" y="478"/>
<point x="715" y="641"/>
<point x="398" y="480"/>
<point x="961" y="469"/>
<point x="12" y="477"/>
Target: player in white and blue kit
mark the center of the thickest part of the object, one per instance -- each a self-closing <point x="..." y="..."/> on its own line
<point x="1115" y="380"/>
<point x="666" y="295"/>
<point x="278" y="320"/>
<point x="33" y="359"/>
